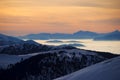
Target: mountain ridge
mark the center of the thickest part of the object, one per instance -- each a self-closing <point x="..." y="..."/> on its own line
<point x="106" y="70"/>
<point x="76" y="35"/>
<point x="115" y="35"/>
<point x="8" y="40"/>
<point x="14" y="46"/>
<point x="52" y="64"/>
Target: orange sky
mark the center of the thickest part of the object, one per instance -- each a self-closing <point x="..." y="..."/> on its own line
<point x="21" y="17"/>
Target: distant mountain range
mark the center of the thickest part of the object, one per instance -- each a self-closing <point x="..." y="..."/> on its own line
<point x="77" y="35"/>
<point x="115" y="35"/>
<point x="109" y="36"/>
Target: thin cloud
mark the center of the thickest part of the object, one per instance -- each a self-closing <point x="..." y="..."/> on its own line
<point x="62" y="24"/>
<point x="114" y="21"/>
<point x="80" y="3"/>
<point x="14" y="19"/>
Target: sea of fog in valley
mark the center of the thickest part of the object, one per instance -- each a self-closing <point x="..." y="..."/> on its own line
<point x="88" y="44"/>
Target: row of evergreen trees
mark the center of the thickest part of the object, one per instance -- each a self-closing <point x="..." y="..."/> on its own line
<point x="49" y="66"/>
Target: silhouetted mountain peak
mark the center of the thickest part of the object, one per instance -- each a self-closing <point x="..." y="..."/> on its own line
<point x="8" y="40"/>
<point x="116" y="31"/>
<point x="85" y="32"/>
<point x="115" y="35"/>
<point x="32" y="42"/>
<point x="77" y="35"/>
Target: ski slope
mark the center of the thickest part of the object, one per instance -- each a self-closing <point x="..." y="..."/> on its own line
<point x="107" y="70"/>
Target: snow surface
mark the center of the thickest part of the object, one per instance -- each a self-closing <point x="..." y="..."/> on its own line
<point x="9" y="40"/>
<point x="106" y="70"/>
<point x="6" y="59"/>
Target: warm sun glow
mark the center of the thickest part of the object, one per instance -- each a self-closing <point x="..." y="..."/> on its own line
<point x="20" y="17"/>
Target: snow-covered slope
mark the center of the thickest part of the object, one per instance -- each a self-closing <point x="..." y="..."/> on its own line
<point x="6" y="59"/>
<point x="28" y="47"/>
<point x="8" y="40"/>
<point x="52" y="64"/>
<point x="107" y="70"/>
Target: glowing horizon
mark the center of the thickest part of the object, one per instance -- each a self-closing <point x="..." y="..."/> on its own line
<point x="21" y="17"/>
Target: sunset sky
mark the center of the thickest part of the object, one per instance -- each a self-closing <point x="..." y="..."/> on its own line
<point x="21" y="17"/>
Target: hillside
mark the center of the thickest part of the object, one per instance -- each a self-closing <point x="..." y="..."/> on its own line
<point x="107" y="70"/>
<point x="8" y="40"/>
<point x="14" y="46"/>
<point x="52" y="64"/>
